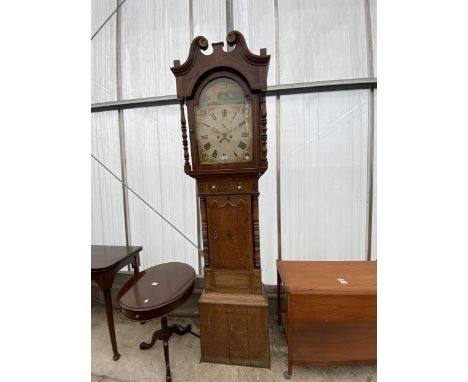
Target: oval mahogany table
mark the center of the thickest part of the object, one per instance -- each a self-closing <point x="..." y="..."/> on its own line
<point x="154" y="293"/>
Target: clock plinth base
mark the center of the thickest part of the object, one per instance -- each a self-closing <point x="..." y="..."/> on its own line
<point x="234" y="329"/>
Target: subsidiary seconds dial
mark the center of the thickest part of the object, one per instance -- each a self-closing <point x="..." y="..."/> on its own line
<point x="224" y="123"/>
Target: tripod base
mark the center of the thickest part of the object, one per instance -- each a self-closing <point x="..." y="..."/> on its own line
<point x="164" y="334"/>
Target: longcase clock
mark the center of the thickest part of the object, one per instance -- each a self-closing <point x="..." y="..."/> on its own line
<point x="224" y="94"/>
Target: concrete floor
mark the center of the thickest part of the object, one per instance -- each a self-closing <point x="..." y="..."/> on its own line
<point x="137" y="365"/>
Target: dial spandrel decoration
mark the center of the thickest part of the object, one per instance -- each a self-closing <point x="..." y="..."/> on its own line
<point x="224" y="123"/>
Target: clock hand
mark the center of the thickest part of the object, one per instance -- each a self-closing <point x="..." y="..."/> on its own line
<point x="217" y="131"/>
<point x="226" y="128"/>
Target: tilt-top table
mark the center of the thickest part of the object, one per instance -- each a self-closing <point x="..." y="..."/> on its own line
<point x="154" y="293"/>
<point x="106" y="261"/>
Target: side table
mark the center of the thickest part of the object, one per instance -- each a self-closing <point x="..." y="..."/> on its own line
<point x="106" y="261"/>
<point x="154" y="293"/>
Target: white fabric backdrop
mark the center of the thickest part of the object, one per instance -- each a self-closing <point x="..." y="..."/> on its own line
<point x="256" y="21"/>
<point x="321" y="40"/>
<point x="154" y="33"/>
<point x="155" y="172"/>
<point x="323" y="136"/>
<point x="103" y="64"/>
<point x="107" y="214"/>
<point x="324" y="175"/>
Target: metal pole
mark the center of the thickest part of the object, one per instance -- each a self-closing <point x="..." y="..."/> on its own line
<point x="278" y="132"/>
<point x="197" y="201"/>
<point x="229" y="19"/>
<point x="273" y="90"/>
<point x="371" y="127"/>
<point x="369" y="40"/>
<point x="191" y="20"/>
<point x="123" y="165"/>
<point x="370" y="176"/>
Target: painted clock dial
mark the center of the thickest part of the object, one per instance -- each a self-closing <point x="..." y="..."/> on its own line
<point x="223" y="123"/>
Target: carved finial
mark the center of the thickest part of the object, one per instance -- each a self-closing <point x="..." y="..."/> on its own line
<point x="231" y="38"/>
<point x="202" y="42"/>
<point x="197" y="44"/>
<point x="234" y="37"/>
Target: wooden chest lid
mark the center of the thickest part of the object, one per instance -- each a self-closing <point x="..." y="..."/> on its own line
<point x="329" y="277"/>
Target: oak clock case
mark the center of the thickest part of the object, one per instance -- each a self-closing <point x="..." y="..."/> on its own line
<point x="224" y="93"/>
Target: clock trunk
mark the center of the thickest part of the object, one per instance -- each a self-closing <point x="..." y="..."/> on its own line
<point x="229" y="224"/>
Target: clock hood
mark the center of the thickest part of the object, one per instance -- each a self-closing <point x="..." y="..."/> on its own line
<point x="241" y="60"/>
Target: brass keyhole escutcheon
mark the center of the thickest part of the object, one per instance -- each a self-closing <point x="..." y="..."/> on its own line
<point x="215" y="235"/>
